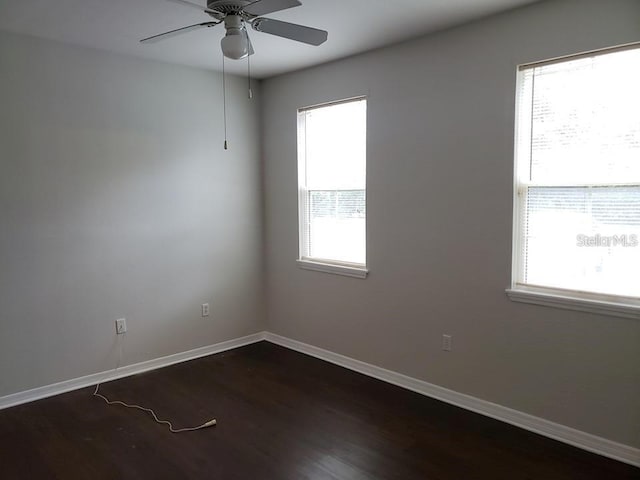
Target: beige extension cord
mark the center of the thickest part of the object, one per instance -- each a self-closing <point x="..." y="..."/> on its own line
<point x="209" y="423"/>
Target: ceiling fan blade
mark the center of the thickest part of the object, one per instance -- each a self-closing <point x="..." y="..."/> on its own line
<point x="263" y="7"/>
<point x="202" y="8"/>
<point x="177" y="31"/>
<point x="292" y="31"/>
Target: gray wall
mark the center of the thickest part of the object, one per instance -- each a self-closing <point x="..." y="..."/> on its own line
<point x="440" y="154"/>
<point x="117" y="200"/>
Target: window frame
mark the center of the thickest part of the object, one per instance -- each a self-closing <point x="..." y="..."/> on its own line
<point x="597" y="303"/>
<point x="350" y="269"/>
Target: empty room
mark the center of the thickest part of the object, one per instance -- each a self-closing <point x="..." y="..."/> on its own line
<point x="320" y="239"/>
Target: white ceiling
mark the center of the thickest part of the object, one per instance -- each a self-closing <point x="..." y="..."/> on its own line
<point x="354" y="26"/>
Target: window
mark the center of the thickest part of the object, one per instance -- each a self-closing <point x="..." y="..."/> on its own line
<point x="577" y="183"/>
<point x="332" y="187"/>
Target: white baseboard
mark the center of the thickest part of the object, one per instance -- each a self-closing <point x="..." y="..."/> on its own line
<point x="86" y="381"/>
<point x="562" y="433"/>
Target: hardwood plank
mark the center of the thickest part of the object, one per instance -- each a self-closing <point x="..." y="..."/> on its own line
<point x="281" y="415"/>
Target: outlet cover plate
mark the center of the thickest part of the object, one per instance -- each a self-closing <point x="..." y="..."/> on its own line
<point x="446" y="342"/>
<point x="121" y="326"/>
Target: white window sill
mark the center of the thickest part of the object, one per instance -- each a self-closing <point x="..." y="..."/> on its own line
<point x="615" y="309"/>
<point x="349" y="271"/>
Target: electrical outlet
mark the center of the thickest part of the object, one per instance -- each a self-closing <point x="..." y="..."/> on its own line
<point x="205" y="309"/>
<point x="446" y="342"/>
<point x="121" y="326"/>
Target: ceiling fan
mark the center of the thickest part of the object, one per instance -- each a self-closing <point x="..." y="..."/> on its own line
<point x="236" y="14"/>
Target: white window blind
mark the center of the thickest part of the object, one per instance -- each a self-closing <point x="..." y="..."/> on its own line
<point x="578" y="175"/>
<point x="332" y="182"/>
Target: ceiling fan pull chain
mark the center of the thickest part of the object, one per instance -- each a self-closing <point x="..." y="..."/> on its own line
<point x="224" y="102"/>
<point x="249" y="76"/>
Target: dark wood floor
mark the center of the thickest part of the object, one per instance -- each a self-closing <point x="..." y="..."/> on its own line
<point x="281" y="415"/>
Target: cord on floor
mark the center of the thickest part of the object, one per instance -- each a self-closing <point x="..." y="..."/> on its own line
<point x="209" y="423"/>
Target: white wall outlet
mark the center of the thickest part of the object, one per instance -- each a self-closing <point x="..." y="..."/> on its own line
<point x="446" y="342"/>
<point x="205" y="309"/>
<point x="121" y="326"/>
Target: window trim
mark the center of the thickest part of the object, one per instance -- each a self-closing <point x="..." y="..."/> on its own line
<point x="576" y="56"/>
<point x="570" y="300"/>
<point x="356" y="270"/>
<point x="591" y="302"/>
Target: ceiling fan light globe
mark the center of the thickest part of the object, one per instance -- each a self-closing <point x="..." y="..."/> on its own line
<point x="235" y="46"/>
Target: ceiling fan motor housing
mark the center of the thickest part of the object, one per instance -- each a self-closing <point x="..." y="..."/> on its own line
<point x="228" y="7"/>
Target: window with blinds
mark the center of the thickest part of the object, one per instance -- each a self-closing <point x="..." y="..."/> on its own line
<point x="332" y="182"/>
<point x="577" y="192"/>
